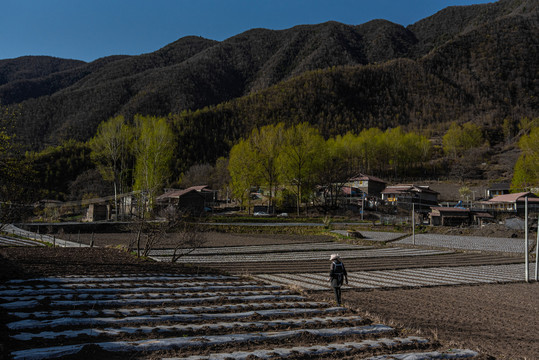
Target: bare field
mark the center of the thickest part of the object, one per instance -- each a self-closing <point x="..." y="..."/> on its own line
<point x="500" y="320"/>
<point x="213" y="239"/>
<point x="497" y="320"/>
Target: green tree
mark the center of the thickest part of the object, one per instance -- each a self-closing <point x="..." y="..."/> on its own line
<point x="370" y="148"/>
<point x="153" y="151"/>
<point x="461" y="138"/>
<point x="243" y="169"/>
<point x="526" y="171"/>
<point x="299" y="158"/>
<point x="221" y="177"/>
<point x="333" y="173"/>
<point x="349" y="146"/>
<point x="111" y="151"/>
<point x="266" y="143"/>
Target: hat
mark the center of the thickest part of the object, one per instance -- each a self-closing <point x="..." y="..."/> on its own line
<point x="334" y="256"/>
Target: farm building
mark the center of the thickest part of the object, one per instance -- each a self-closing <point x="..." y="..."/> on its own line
<point x="98" y="212"/>
<point x="192" y="200"/>
<point x="367" y="184"/>
<point x="449" y="216"/>
<point x="511" y="203"/>
<point x="456" y="216"/>
<point x="405" y="195"/>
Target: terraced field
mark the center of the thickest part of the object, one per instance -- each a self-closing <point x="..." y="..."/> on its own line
<point x="147" y="312"/>
<point x="11" y="241"/>
<point x="306" y="264"/>
<point x="491" y="244"/>
<point x="190" y="317"/>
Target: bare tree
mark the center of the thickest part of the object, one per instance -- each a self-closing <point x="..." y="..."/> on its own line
<point x="187" y="238"/>
<point x="175" y="228"/>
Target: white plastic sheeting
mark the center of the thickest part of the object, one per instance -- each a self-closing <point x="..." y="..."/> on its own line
<point x="191" y="327"/>
<point x="197" y="341"/>
<point x="315" y="350"/>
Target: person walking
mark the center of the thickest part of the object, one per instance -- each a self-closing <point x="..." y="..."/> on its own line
<point x="337" y="275"/>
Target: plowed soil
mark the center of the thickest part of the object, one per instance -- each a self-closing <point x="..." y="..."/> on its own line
<point x="498" y="320"/>
<point x="212" y="239"/>
<point x="377" y="263"/>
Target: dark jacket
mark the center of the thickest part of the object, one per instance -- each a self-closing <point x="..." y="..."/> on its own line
<point x="337" y="273"/>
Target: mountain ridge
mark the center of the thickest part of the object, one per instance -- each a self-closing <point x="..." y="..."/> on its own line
<point x="68" y="99"/>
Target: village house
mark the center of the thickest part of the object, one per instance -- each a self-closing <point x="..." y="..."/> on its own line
<point x="512" y="203"/>
<point x="457" y="216"/>
<point x="449" y="216"/>
<point x="404" y="195"/>
<point x="498" y="189"/>
<point x="104" y="208"/>
<point x="193" y="200"/>
<point x="366" y="184"/>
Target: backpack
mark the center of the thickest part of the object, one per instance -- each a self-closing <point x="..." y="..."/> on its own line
<point x="338" y="272"/>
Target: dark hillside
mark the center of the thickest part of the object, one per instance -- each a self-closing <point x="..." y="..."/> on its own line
<point x="483" y="76"/>
<point x="49" y="80"/>
<point x="495" y="66"/>
<point x="169" y="55"/>
<point x="464" y="63"/>
<point x="441" y="27"/>
<point x="31" y="67"/>
<point x="191" y="73"/>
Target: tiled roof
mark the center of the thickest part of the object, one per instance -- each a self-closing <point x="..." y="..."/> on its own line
<point x="405" y="188"/>
<point x="174" y="194"/>
<point x="450" y="209"/>
<point x="512" y="198"/>
<point x="363" y="177"/>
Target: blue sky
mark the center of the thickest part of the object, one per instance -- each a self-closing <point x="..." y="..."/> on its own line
<point x="90" y="29"/>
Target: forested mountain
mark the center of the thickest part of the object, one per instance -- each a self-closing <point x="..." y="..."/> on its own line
<point x="464" y="63"/>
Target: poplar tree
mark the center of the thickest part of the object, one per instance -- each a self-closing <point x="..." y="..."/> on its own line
<point x="526" y="172"/>
<point x="111" y="152"/>
<point x="153" y="151"/>
<point x="266" y="143"/>
<point x="243" y="168"/>
<point x="460" y="138"/>
<point x="299" y="158"/>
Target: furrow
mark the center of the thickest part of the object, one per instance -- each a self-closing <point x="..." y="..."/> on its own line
<point x="198" y="341"/>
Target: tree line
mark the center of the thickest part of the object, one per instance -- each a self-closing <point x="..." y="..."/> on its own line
<point x="298" y="160"/>
<point x="291" y="162"/>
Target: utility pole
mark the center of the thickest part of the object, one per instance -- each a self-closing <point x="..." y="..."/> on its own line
<point x="526" y="271"/>
<point x="362" y="205"/>
<point x="537" y="251"/>
<point x="413" y="222"/>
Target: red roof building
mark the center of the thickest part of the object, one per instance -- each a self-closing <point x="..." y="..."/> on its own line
<point x="512" y="203"/>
